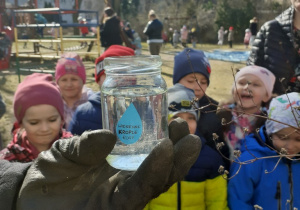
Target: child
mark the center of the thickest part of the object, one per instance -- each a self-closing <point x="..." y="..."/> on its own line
<point x="137" y="43"/>
<point x="70" y="77"/>
<point x="247" y="38"/>
<point x="88" y="116"/>
<point x="184" y="36"/>
<point x="251" y="90"/>
<point x="192" y="70"/>
<point x="40" y="20"/>
<point x="203" y="187"/>
<point x="230" y="36"/>
<point x="193" y="36"/>
<point x="83" y="29"/>
<point x="271" y="183"/>
<point x="221" y="34"/>
<point x="54" y="32"/>
<point x="39" y="111"/>
<point x="175" y="38"/>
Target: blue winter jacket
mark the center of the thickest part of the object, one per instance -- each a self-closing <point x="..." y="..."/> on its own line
<point x="202" y="188"/>
<point x="257" y="183"/>
<point x="88" y="116"/>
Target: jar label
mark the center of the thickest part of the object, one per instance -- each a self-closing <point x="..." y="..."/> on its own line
<point x="130" y="128"/>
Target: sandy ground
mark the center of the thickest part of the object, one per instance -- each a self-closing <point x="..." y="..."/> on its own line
<point x="220" y="81"/>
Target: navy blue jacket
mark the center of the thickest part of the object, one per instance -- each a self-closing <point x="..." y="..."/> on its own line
<point x="88" y="116"/>
<point x="207" y="164"/>
<point x="154" y="29"/>
<point x="210" y="123"/>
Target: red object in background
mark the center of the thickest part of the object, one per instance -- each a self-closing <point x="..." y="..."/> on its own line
<point x="4" y="62"/>
<point x="9" y="32"/>
<point x="84" y="30"/>
<point x="5" y="49"/>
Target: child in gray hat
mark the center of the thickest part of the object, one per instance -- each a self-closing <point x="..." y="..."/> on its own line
<point x="203" y="180"/>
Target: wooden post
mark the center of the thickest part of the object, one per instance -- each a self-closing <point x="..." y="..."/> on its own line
<point x="61" y="40"/>
<point x="17" y="53"/>
<point x="76" y="5"/>
<point x="98" y="41"/>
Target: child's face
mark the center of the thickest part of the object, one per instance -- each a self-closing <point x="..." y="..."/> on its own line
<point x="296" y="4"/>
<point x="189" y="81"/>
<point x="42" y="124"/>
<point x="249" y="93"/>
<point x="287" y="138"/>
<point x="189" y="118"/>
<point x="70" y="86"/>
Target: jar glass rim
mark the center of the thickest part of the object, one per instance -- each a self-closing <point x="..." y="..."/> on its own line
<point x="143" y="64"/>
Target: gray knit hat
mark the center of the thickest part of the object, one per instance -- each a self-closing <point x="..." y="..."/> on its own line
<point x="180" y="100"/>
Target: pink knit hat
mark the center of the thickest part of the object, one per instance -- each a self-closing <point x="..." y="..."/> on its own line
<point x="70" y="63"/>
<point x="267" y="77"/>
<point x="37" y="89"/>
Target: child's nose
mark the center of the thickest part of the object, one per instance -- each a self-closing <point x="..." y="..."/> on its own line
<point x="246" y="86"/>
<point x="44" y="126"/>
<point x="197" y="86"/>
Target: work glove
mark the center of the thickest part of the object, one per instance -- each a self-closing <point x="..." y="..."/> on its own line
<point x="11" y="178"/>
<point x="74" y="173"/>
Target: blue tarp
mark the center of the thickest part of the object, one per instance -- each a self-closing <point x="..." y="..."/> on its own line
<point x="224" y="55"/>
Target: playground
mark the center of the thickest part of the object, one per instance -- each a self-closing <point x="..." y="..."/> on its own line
<point x="219" y="88"/>
<point x="37" y="46"/>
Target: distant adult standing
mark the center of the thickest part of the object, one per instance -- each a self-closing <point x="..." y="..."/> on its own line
<point x="110" y="29"/>
<point x="253" y="29"/>
<point x="154" y="32"/>
<point x="277" y="48"/>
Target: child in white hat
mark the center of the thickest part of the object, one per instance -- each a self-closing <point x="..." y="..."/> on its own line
<point x="251" y="91"/>
<point x="271" y="180"/>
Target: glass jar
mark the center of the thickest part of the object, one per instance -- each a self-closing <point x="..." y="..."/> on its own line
<point x="134" y="107"/>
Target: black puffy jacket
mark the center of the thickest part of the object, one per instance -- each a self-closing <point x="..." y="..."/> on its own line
<point x="110" y="32"/>
<point x="273" y="49"/>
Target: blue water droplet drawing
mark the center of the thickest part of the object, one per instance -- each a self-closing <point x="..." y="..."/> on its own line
<point x="130" y="128"/>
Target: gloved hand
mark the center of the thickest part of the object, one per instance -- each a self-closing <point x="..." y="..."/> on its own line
<point x="74" y="173"/>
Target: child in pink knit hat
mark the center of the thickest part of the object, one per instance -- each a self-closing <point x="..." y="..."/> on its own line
<point x="70" y="77"/>
<point x="39" y="111"/>
<point x="251" y="91"/>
